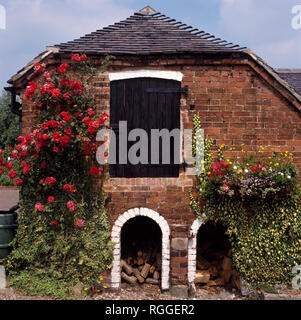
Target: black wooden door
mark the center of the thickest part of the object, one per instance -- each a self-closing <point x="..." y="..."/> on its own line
<point x="146" y="103"/>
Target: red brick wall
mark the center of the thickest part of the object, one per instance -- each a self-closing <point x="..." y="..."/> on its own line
<point x="237" y="103"/>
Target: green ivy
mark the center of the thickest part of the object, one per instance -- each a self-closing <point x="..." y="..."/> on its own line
<point x="265" y="234"/>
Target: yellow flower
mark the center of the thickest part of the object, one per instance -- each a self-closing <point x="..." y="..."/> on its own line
<point x="98" y="281"/>
<point x="105" y="287"/>
<point x="242" y="144"/>
<point x="101" y="278"/>
<point x="85" y="289"/>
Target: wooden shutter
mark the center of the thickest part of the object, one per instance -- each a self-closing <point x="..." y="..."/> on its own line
<point x="146" y="103"/>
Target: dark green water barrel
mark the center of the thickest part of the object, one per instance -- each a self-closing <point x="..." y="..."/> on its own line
<point x="7" y="231"/>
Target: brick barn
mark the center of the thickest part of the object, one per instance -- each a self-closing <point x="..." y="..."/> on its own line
<point x="167" y="72"/>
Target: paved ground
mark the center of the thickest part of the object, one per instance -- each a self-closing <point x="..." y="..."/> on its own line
<point x="8" y="198"/>
<point x="133" y="294"/>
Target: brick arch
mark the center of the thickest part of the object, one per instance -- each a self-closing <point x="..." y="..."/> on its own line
<point x="116" y="238"/>
<point x="192" y="244"/>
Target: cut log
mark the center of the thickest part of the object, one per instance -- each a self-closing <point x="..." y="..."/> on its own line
<point x="202" y="263"/>
<point x="202" y="276"/>
<point x="213" y="271"/>
<point x="159" y="261"/>
<point x="131" y="280"/>
<point x="226" y="275"/>
<point x="216" y="282"/>
<point x="236" y="282"/>
<point x="140" y="268"/>
<point x="145" y="270"/>
<point x="129" y="260"/>
<point x="152" y="281"/>
<point x="138" y="275"/>
<point x="227" y="264"/>
<point x="153" y="268"/>
<point x="156" y="275"/>
<point x="140" y="261"/>
<point x="126" y="267"/>
<point x="139" y="253"/>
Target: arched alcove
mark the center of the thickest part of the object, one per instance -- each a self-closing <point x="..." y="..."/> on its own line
<point x="117" y="239"/>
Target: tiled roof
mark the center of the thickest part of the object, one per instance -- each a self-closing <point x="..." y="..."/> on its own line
<point x="148" y="32"/>
<point x="292" y="77"/>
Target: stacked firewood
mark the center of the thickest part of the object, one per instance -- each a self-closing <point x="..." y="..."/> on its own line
<point x="144" y="266"/>
<point x="218" y="271"/>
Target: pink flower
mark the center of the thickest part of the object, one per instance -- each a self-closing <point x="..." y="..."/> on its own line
<point x="51" y="199"/>
<point x="79" y="223"/>
<point x="226" y="188"/>
<point x="39" y="207"/>
<point x="71" y="206"/>
<point x="38" y="67"/>
<point x="66" y="96"/>
<point x="264" y="169"/>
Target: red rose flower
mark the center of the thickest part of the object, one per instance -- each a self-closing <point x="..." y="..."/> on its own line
<point x="76" y="57"/>
<point x="51" y="199"/>
<point x="64" y="141"/>
<point x="66" y="187"/>
<point x="65" y="82"/>
<point x="38" y="67"/>
<point x="12" y="174"/>
<point x="43" y="164"/>
<point x="31" y="89"/>
<point x="63" y="68"/>
<point x="91" y="112"/>
<point x="55" y="223"/>
<point x="94" y="171"/>
<point x="50" y="180"/>
<point x="55" y="93"/>
<point x="91" y="130"/>
<point x="18" y="182"/>
<point x="77" y="86"/>
<point x="1" y="171"/>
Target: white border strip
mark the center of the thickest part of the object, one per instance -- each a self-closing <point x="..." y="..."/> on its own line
<point x="169" y="75"/>
<point x="192" y="249"/>
<point x="116" y="237"/>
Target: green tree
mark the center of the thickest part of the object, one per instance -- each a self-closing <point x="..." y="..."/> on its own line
<point x="9" y="123"/>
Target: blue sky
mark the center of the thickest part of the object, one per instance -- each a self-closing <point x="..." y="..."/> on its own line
<point x="262" y="25"/>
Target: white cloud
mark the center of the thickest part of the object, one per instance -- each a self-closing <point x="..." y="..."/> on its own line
<point x="33" y="24"/>
<point x="265" y="27"/>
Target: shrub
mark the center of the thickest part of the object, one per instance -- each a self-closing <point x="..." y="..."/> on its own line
<point x="63" y="231"/>
<point x="257" y="198"/>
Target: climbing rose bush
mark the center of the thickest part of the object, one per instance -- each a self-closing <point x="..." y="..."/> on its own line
<point x="63" y="230"/>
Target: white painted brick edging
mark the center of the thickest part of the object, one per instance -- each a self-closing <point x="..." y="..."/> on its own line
<point x="192" y="244"/>
<point x="116" y="237"/>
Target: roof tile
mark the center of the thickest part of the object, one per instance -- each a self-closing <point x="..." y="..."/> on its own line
<point x="148" y="33"/>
